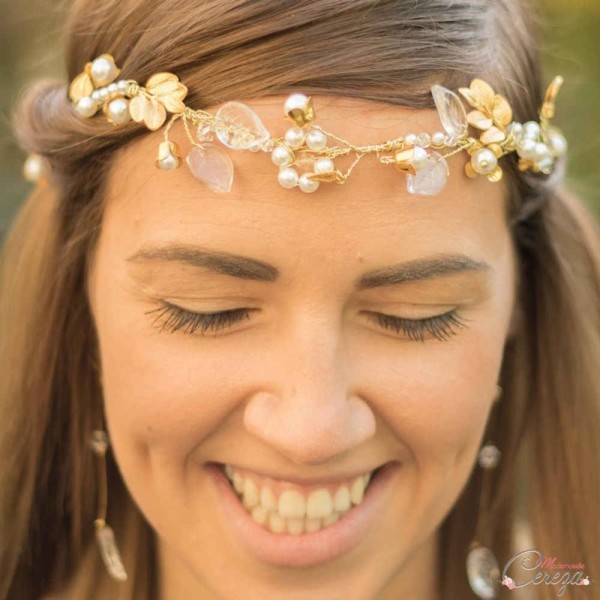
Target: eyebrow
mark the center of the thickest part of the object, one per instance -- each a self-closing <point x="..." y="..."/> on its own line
<point x="244" y="267"/>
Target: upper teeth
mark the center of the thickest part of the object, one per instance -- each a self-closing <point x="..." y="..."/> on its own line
<point x="296" y="508"/>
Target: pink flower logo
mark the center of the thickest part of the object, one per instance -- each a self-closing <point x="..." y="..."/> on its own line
<point x="509" y="583"/>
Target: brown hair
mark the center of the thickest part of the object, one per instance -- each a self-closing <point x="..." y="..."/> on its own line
<point x="547" y="424"/>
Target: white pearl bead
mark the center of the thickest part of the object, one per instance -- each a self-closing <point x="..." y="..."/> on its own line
<point x="294" y="137"/>
<point x="420" y="158"/>
<point x="545" y="165"/>
<point x="541" y="151"/>
<point x="307" y="185"/>
<point x="96" y="96"/>
<point x="515" y="130"/>
<point x="324" y="165"/>
<point x="558" y="143"/>
<point x="438" y="138"/>
<point x="526" y="149"/>
<point x="122" y="85"/>
<point x="103" y="71"/>
<point x="205" y="133"/>
<point x="410" y="139"/>
<point x="294" y="102"/>
<point x="33" y="168"/>
<point x="316" y="140"/>
<point x="86" y="107"/>
<point x="113" y="88"/>
<point x="281" y="156"/>
<point x="288" y="177"/>
<point x="484" y="161"/>
<point x="103" y="93"/>
<point x="118" y="111"/>
<point x="531" y="130"/>
<point x="168" y="163"/>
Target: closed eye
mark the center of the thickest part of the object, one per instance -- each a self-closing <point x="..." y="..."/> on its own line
<point x="172" y="318"/>
<point x="441" y="327"/>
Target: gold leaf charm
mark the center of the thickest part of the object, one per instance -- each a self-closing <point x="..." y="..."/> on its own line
<point x="483" y="92"/>
<point x="479" y="120"/>
<point x="495" y="175"/>
<point x="168" y="90"/>
<point x="137" y="108"/>
<point x="155" y="82"/>
<point x="81" y="87"/>
<point x="501" y="111"/>
<point x="547" y="110"/>
<point x="468" y="95"/>
<point x="333" y="176"/>
<point x="496" y="149"/>
<point x="155" y="115"/>
<point x="493" y="136"/>
<point x="151" y="112"/>
<point x="470" y="171"/>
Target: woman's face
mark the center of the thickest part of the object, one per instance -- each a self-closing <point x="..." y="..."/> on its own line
<point x="309" y="386"/>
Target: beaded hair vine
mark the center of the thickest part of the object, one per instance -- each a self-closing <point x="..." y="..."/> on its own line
<point x="303" y="155"/>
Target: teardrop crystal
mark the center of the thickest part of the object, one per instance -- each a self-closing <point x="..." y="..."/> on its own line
<point x="430" y="179"/>
<point x="451" y="112"/>
<point x="483" y="572"/>
<point x="239" y="127"/>
<point x="110" y="553"/>
<point x="211" y="165"/>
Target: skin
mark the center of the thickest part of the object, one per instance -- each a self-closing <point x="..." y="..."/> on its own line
<point x="310" y="385"/>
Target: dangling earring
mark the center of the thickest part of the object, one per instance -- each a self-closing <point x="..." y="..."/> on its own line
<point x="104" y="534"/>
<point x="483" y="571"/>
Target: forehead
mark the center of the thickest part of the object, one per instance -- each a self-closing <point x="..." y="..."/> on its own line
<point x="367" y="214"/>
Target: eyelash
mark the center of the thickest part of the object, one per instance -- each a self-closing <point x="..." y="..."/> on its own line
<point x="173" y="318"/>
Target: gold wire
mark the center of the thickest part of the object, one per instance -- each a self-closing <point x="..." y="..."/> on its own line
<point x="100" y="520"/>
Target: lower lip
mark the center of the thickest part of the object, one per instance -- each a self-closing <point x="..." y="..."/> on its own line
<point x="310" y="548"/>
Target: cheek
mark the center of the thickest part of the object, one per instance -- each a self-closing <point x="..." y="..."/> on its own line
<point x="160" y="391"/>
<point x="164" y="393"/>
<point x="437" y="399"/>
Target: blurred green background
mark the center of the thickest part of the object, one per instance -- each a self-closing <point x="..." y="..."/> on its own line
<point x="31" y="45"/>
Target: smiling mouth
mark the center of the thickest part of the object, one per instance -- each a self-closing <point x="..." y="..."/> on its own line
<point x="284" y="507"/>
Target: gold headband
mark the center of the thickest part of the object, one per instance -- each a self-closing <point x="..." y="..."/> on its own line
<point x="303" y="155"/>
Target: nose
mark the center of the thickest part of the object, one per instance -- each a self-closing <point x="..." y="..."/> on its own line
<point x="306" y="410"/>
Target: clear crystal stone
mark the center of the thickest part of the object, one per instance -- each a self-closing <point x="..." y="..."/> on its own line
<point x="430" y="179"/>
<point x="211" y="165"/>
<point x="423" y="140"/>
<point x="483" y="572"/>
<point x="205" y="133"/>
<point x="238" y="127"/>
<point x="110" y="553"/>
<point x="451" y="112"/>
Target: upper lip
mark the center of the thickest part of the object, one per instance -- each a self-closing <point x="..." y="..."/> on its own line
<point x="338" y="477"/>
